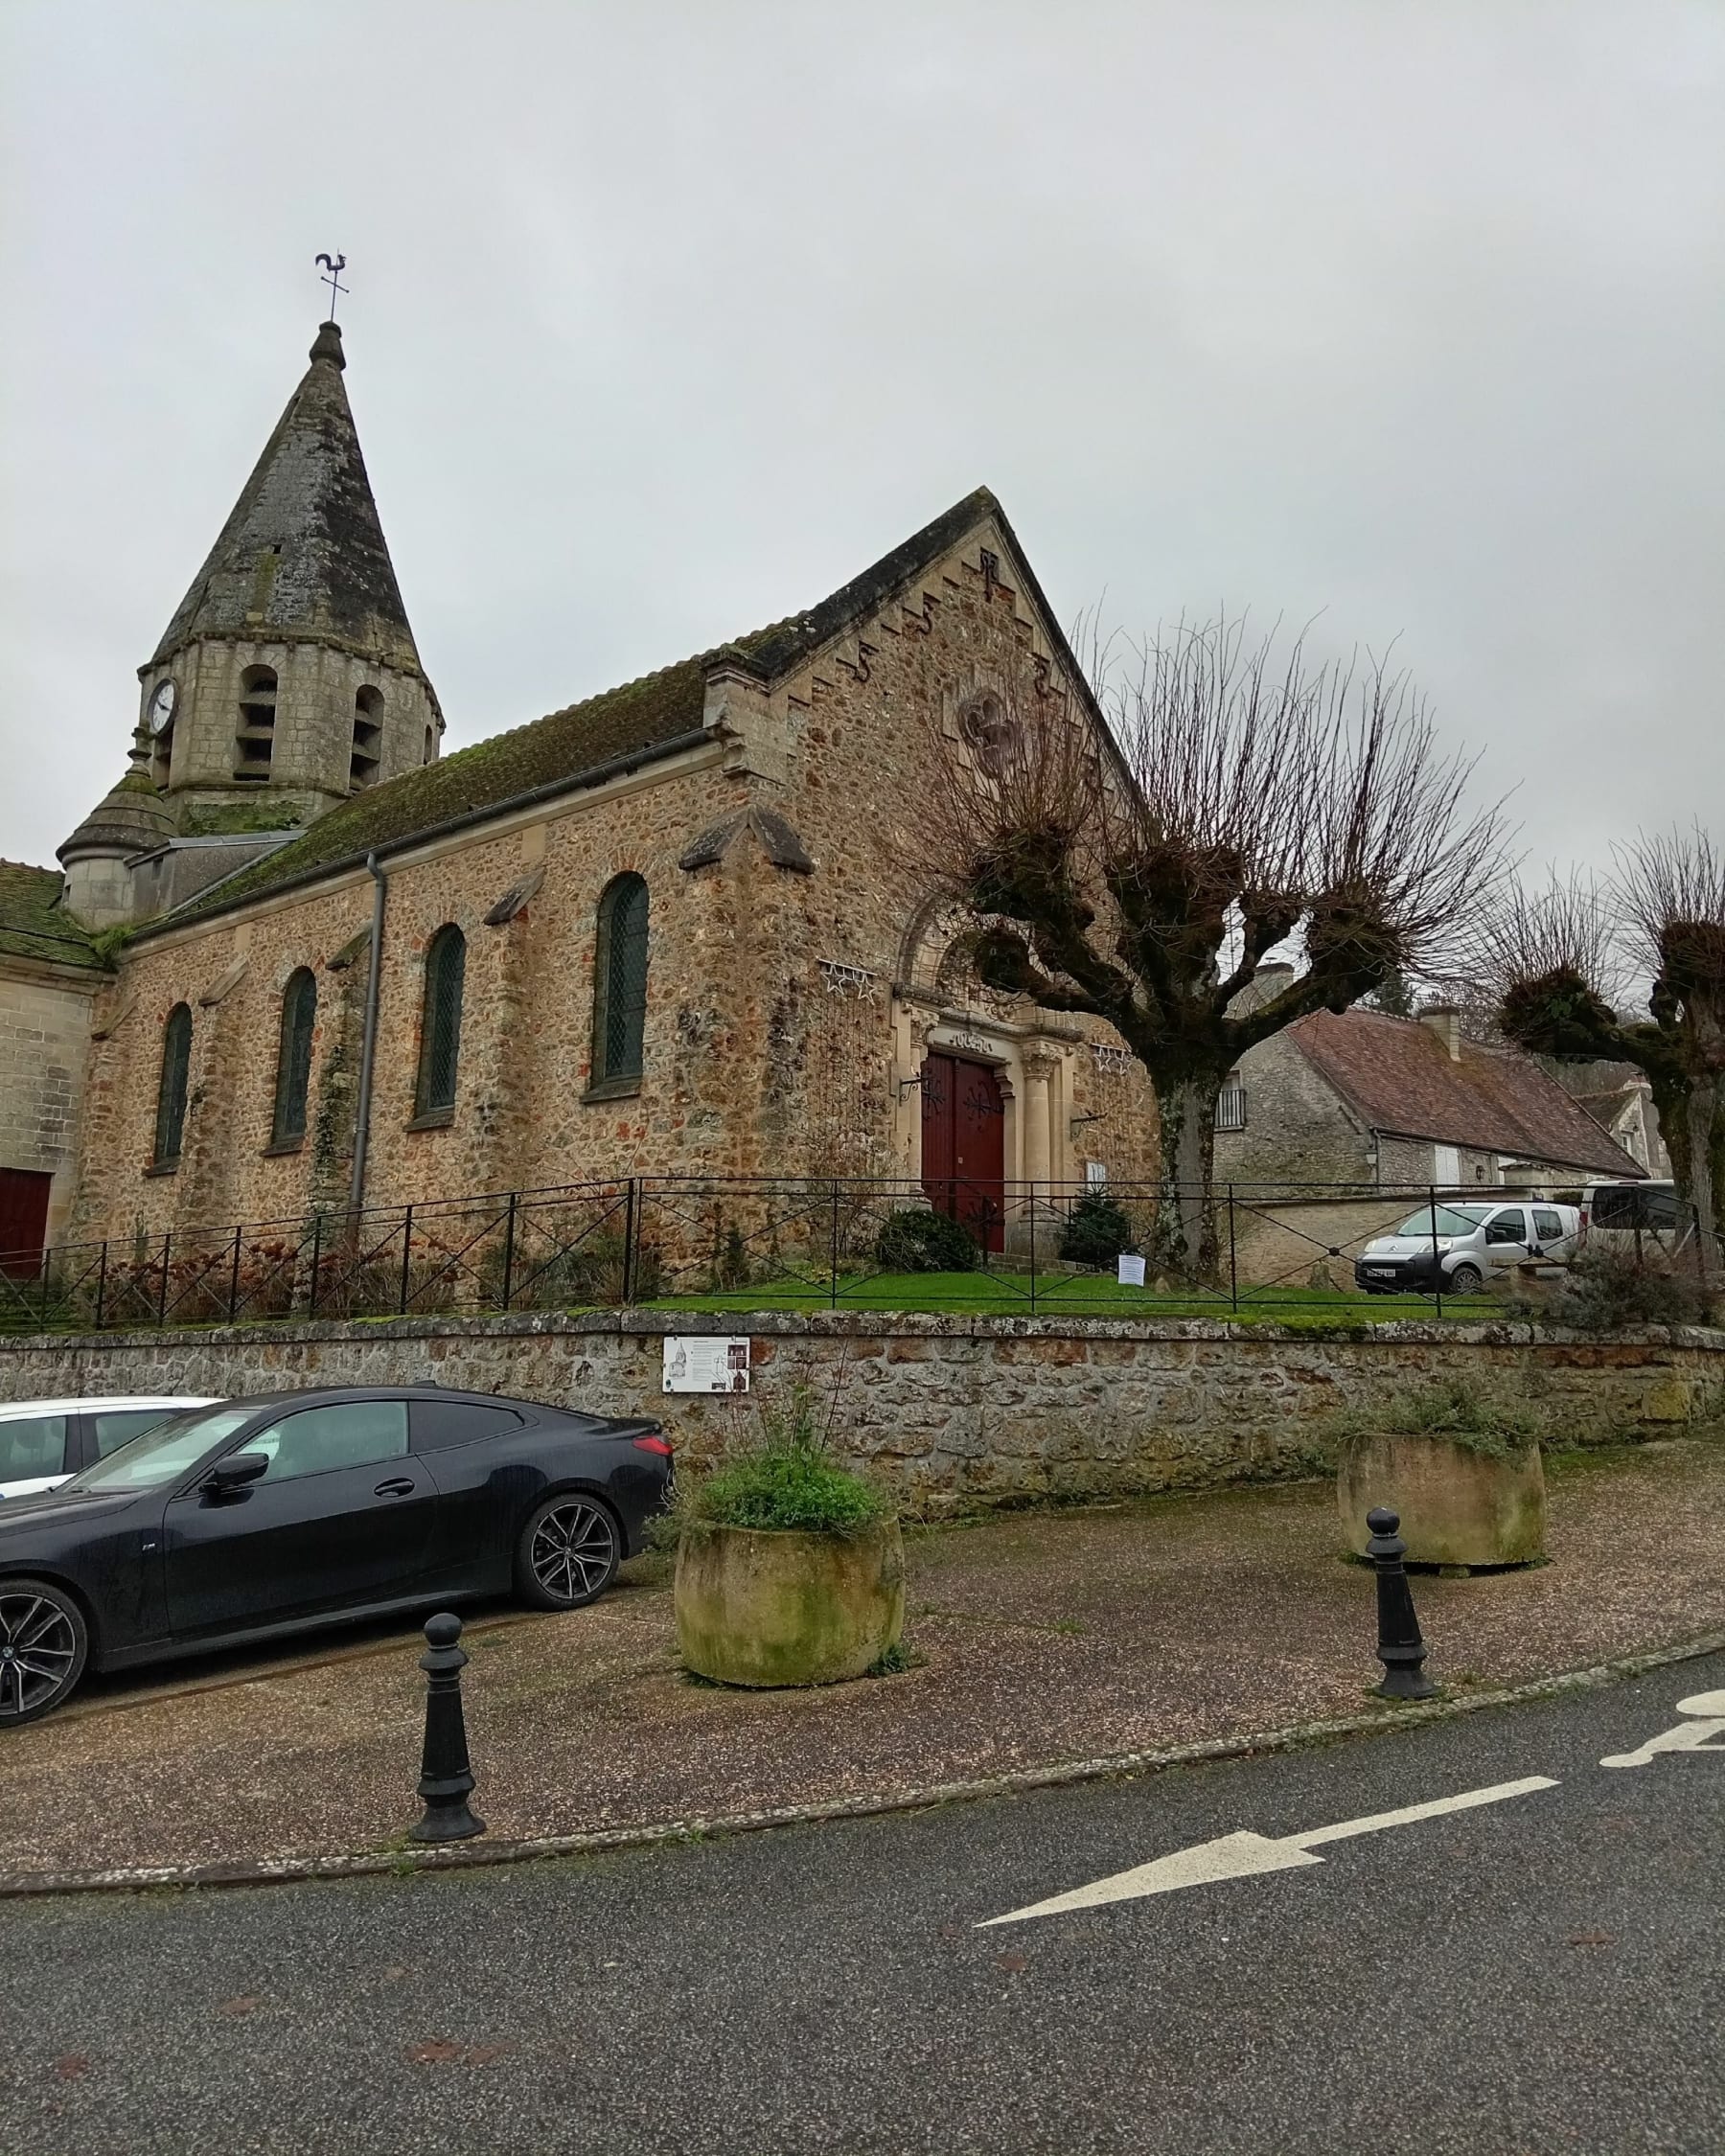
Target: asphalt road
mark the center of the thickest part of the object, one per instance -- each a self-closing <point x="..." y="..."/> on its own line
<point x="1541" y="1974"/>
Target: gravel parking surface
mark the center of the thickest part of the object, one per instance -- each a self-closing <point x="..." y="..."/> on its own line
<point x="1039" y="1637"/>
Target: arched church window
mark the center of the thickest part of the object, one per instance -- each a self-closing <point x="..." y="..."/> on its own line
<point x="368" y="737"/>
<point x="172" y="1091"/>
<point x="254" y="743"/>
<point x="431" y="744"/>
<point x="440" y="1024"/>
<point x="293" y="1057"/>
<point x="620" y="981"/>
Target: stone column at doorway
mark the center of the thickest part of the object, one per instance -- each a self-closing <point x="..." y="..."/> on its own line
<point x="1039" y="1065"/>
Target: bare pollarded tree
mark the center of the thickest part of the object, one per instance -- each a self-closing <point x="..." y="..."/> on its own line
<point x="1139" y="858"/>
<point x="1561" y="960"/>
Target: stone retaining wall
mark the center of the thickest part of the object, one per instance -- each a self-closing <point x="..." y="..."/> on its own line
<point x="955" y="1412"/>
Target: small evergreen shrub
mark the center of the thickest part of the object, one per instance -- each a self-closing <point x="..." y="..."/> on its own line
<point x="918" y="1240"/>
<point x="1096" y="1232"/>
<point x="732" y="1268"/>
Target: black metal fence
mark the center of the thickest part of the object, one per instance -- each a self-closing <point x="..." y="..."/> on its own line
<point x="795" y="1242"/>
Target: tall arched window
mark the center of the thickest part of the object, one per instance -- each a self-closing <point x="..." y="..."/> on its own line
<point x="170" y="1093"/>
<point x="254" y="742"/>
<point x="368" y="737"/>
<point x="620" y="982"/>
<point x="293" y="1057"/>
<point x="440" y="1024"/>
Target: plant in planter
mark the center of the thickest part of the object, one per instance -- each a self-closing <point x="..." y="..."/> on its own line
<point x="790" y="1570"/>
<point x="1463" y="1472"/>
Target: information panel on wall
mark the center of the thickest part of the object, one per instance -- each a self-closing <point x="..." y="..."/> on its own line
<point x="701" y="1362"/>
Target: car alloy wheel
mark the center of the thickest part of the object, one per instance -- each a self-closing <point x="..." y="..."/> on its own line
<point x="573" y="1551"/>
<point x="43" y="1643"/>
<point x="1467" y="1280"/>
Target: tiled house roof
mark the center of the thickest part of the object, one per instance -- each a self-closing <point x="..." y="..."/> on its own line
<point x="653" y="716"/>
<point x="1397" y="1076"/>
<point x="31" y="924"/>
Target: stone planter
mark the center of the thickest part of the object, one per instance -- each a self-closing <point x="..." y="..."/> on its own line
<point x="764" y="1606"/>
<point x="1458" y="1507"/>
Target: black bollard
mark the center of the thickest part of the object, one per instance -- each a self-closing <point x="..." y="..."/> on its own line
<point x="1400" y="1648"/>
<point x="445" y="1779"/>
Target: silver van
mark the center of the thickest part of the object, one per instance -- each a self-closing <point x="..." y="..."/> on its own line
<point x="1459" y="1246"/>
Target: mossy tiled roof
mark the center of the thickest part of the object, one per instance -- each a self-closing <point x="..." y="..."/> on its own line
<point x="637" y="719"/>
<point x="32" y="922"/>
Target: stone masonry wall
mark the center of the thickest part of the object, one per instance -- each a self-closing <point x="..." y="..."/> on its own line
<point x="44" y="1041"/>
<point x="954" y="1414"/>
<point x="520" y="1117"/>
<point x="1296" y="1130"/>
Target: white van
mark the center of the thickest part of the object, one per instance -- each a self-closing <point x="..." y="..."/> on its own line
<point x="42" y="1442"/>
<point x="1622" y="1210"/>
<point x="1458" y="1247"/>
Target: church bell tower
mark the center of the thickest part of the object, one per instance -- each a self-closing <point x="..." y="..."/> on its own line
<point x="287" y="679"/>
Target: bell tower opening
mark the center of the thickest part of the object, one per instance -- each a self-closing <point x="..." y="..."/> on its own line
<point x="368" y="736"/>
<point x="254" y="741"/>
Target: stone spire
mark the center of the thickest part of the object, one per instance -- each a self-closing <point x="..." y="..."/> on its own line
<point x="303" y="552"/>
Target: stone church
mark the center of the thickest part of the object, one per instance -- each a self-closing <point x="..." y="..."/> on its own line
<point x="300" y="959"/>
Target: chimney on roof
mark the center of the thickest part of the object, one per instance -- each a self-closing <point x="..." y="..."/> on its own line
<point x="1264" y="986"/>
<point x="1444" y="1021"/>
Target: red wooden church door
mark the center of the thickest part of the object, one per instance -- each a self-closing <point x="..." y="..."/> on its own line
<point x="964" y="1145"/>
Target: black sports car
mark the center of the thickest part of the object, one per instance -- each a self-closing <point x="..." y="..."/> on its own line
<point x="260" y="1517"/>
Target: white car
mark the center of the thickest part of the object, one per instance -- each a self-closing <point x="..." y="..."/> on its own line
<point x="1458" y="1247"/>
<point x="42" y="1442"/>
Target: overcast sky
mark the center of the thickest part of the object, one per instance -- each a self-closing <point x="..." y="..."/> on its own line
<point x="666" y="319"/>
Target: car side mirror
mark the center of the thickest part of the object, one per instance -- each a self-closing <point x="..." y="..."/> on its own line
<point x="233" y="1473"/>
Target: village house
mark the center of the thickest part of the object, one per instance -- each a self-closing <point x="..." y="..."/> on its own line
<point x="1359" y="1098"/>
<point x="667" y="930"/>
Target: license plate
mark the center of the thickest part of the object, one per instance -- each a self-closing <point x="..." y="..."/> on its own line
<point x="1380" y="1272"/>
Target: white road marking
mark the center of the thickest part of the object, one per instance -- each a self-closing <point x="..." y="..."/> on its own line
<point x="1696" y="1736"/>
<point x="1244" y="1855"/>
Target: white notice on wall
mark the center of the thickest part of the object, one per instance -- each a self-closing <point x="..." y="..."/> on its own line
<point x="1131" y="1271"/>
<point x="701" y="1362"/>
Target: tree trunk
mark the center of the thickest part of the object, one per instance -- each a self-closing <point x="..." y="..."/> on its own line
<point x="1696" y="1143"/>
<point x="1185" y="1214"/>
<point x="1691" y="1120"/>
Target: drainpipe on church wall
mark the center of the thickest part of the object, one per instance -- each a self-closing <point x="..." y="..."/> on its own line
<point x="373" y="975"/>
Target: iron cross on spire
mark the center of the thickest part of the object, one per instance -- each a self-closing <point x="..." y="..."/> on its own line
<point x="334" y="265"/>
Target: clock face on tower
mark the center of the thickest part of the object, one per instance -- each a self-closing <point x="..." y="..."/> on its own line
<point x="161" y="706"/>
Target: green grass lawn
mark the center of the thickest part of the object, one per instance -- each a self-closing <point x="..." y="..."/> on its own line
<point x="1008" y="1295"/>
